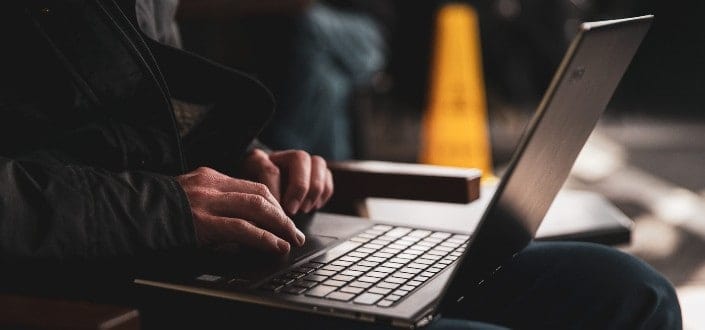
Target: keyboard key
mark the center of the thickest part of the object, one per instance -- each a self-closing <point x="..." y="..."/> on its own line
<point x="356" y="254"/>
<point x="334" y="283"/>
<point x="352" y="289"/>
<point x="427" y="274"/>
<point x="404" y="275"/>
<point x="451" y="245"/>
<point x="413" y="252"/>
<point x="433" y="270"/>
<point x="385" y="303"/>
<point x="424" y="261"/>
<point x="416" y="249"/>
<point x="367" y="298"/>
<point x="324" y="272"/>
<point x="359" y="284"/>
<point x="461" y="237"/>
<point x="320" y="291"/>
<point x="419" y="233"/>
<point x="436" y="253"/>
<point x="443" y="248"/>
<point x="432" y="239"/>
<point x="410" y="270"/>
<point x="383" y="255"/>
<point x="388" y="285"/>
<point x="368" y="263"/>
<point x="429" y="256"/>
<point x="382" y="240"/>
<point x="393" y="297"/>
<point x="379" y="290"/>
<point x="390" y="250"/>
<point x="406" y="256"/>
<point x="367" y="235"/>
<point x="373" y="246"/>
<point x="341" y="263"/>
<point x="315" y="277"/>
<point x="350" y="259"/>
<point x="385" y="270"/>
<point x="396" y="280"/>
<point x="407" y="288"/>
<point x="333" y="268"/>
<point x="440" y="235"/>
<point x="392" y="265"/>
<point x="376" y="259"/>
<point x="360" y="268"/>
<point x="344" y="278"/>
<point x="397" y="246"/>
<point x="341" y="296"/>
<point x="409" y="239"/>
<point x="421" y="278"/>
<point x="414" y="283"/>
<point x="353" y="273"/>
<point x="401" y="293"/>
<point x="377" y="274"/>
<point x="369" y="279"/>
<point x="426" y="243"/>
<point x="365" y="250"/>
<point x="398" y="232"/>
<point x="416" y="265"/>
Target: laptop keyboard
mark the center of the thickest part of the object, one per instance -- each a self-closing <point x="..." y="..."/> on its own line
<point x="379" y="266"/>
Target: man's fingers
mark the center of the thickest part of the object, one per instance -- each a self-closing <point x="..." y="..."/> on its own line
<point x="327" y="191"/>
<point x="266" y="172"/>
<point x="298" y="176"/>
<point x="317" y="184"/>
<point x="259" y="211"/>
<point x="207" y="177"/>
<point x="220" y="230"/>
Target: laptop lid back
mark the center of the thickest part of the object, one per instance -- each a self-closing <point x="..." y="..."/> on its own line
<point x="580" y="91"/>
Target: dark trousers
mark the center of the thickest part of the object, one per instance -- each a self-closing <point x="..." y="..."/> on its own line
<point x="557" y="285"/>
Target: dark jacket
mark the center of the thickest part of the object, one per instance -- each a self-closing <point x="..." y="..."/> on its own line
<point x="88" y="141"/>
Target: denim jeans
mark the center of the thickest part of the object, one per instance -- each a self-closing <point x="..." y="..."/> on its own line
<point x="334" y="52"/>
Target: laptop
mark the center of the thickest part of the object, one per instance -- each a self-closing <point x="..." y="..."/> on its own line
<point x="402" y="276"/>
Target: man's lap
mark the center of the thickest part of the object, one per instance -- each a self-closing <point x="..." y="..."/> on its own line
<point x="568" y="285"/>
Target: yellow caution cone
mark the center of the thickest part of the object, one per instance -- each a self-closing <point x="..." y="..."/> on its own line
<point x="455" y="124"/>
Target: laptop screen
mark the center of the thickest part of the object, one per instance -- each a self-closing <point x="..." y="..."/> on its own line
<point x="580" y="91"/>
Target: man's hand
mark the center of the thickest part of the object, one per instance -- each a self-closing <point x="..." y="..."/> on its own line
<point x="299" y="181"/>
<point x="228" y="210"/>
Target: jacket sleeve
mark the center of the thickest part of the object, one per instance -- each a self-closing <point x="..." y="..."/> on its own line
<point x="52" y="209"/>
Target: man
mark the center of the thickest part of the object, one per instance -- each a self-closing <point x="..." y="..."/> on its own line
<point x="97" y="185"/>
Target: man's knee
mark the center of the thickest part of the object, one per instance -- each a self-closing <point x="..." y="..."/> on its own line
<point x="638" y="294"/>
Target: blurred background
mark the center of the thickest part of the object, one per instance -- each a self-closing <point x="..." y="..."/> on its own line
<point x="352" y="81"/>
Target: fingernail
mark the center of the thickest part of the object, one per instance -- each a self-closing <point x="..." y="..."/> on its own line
<point x="283" y="246"/>
<point x="293" y="206"/>
<point x="300" y="237"/>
